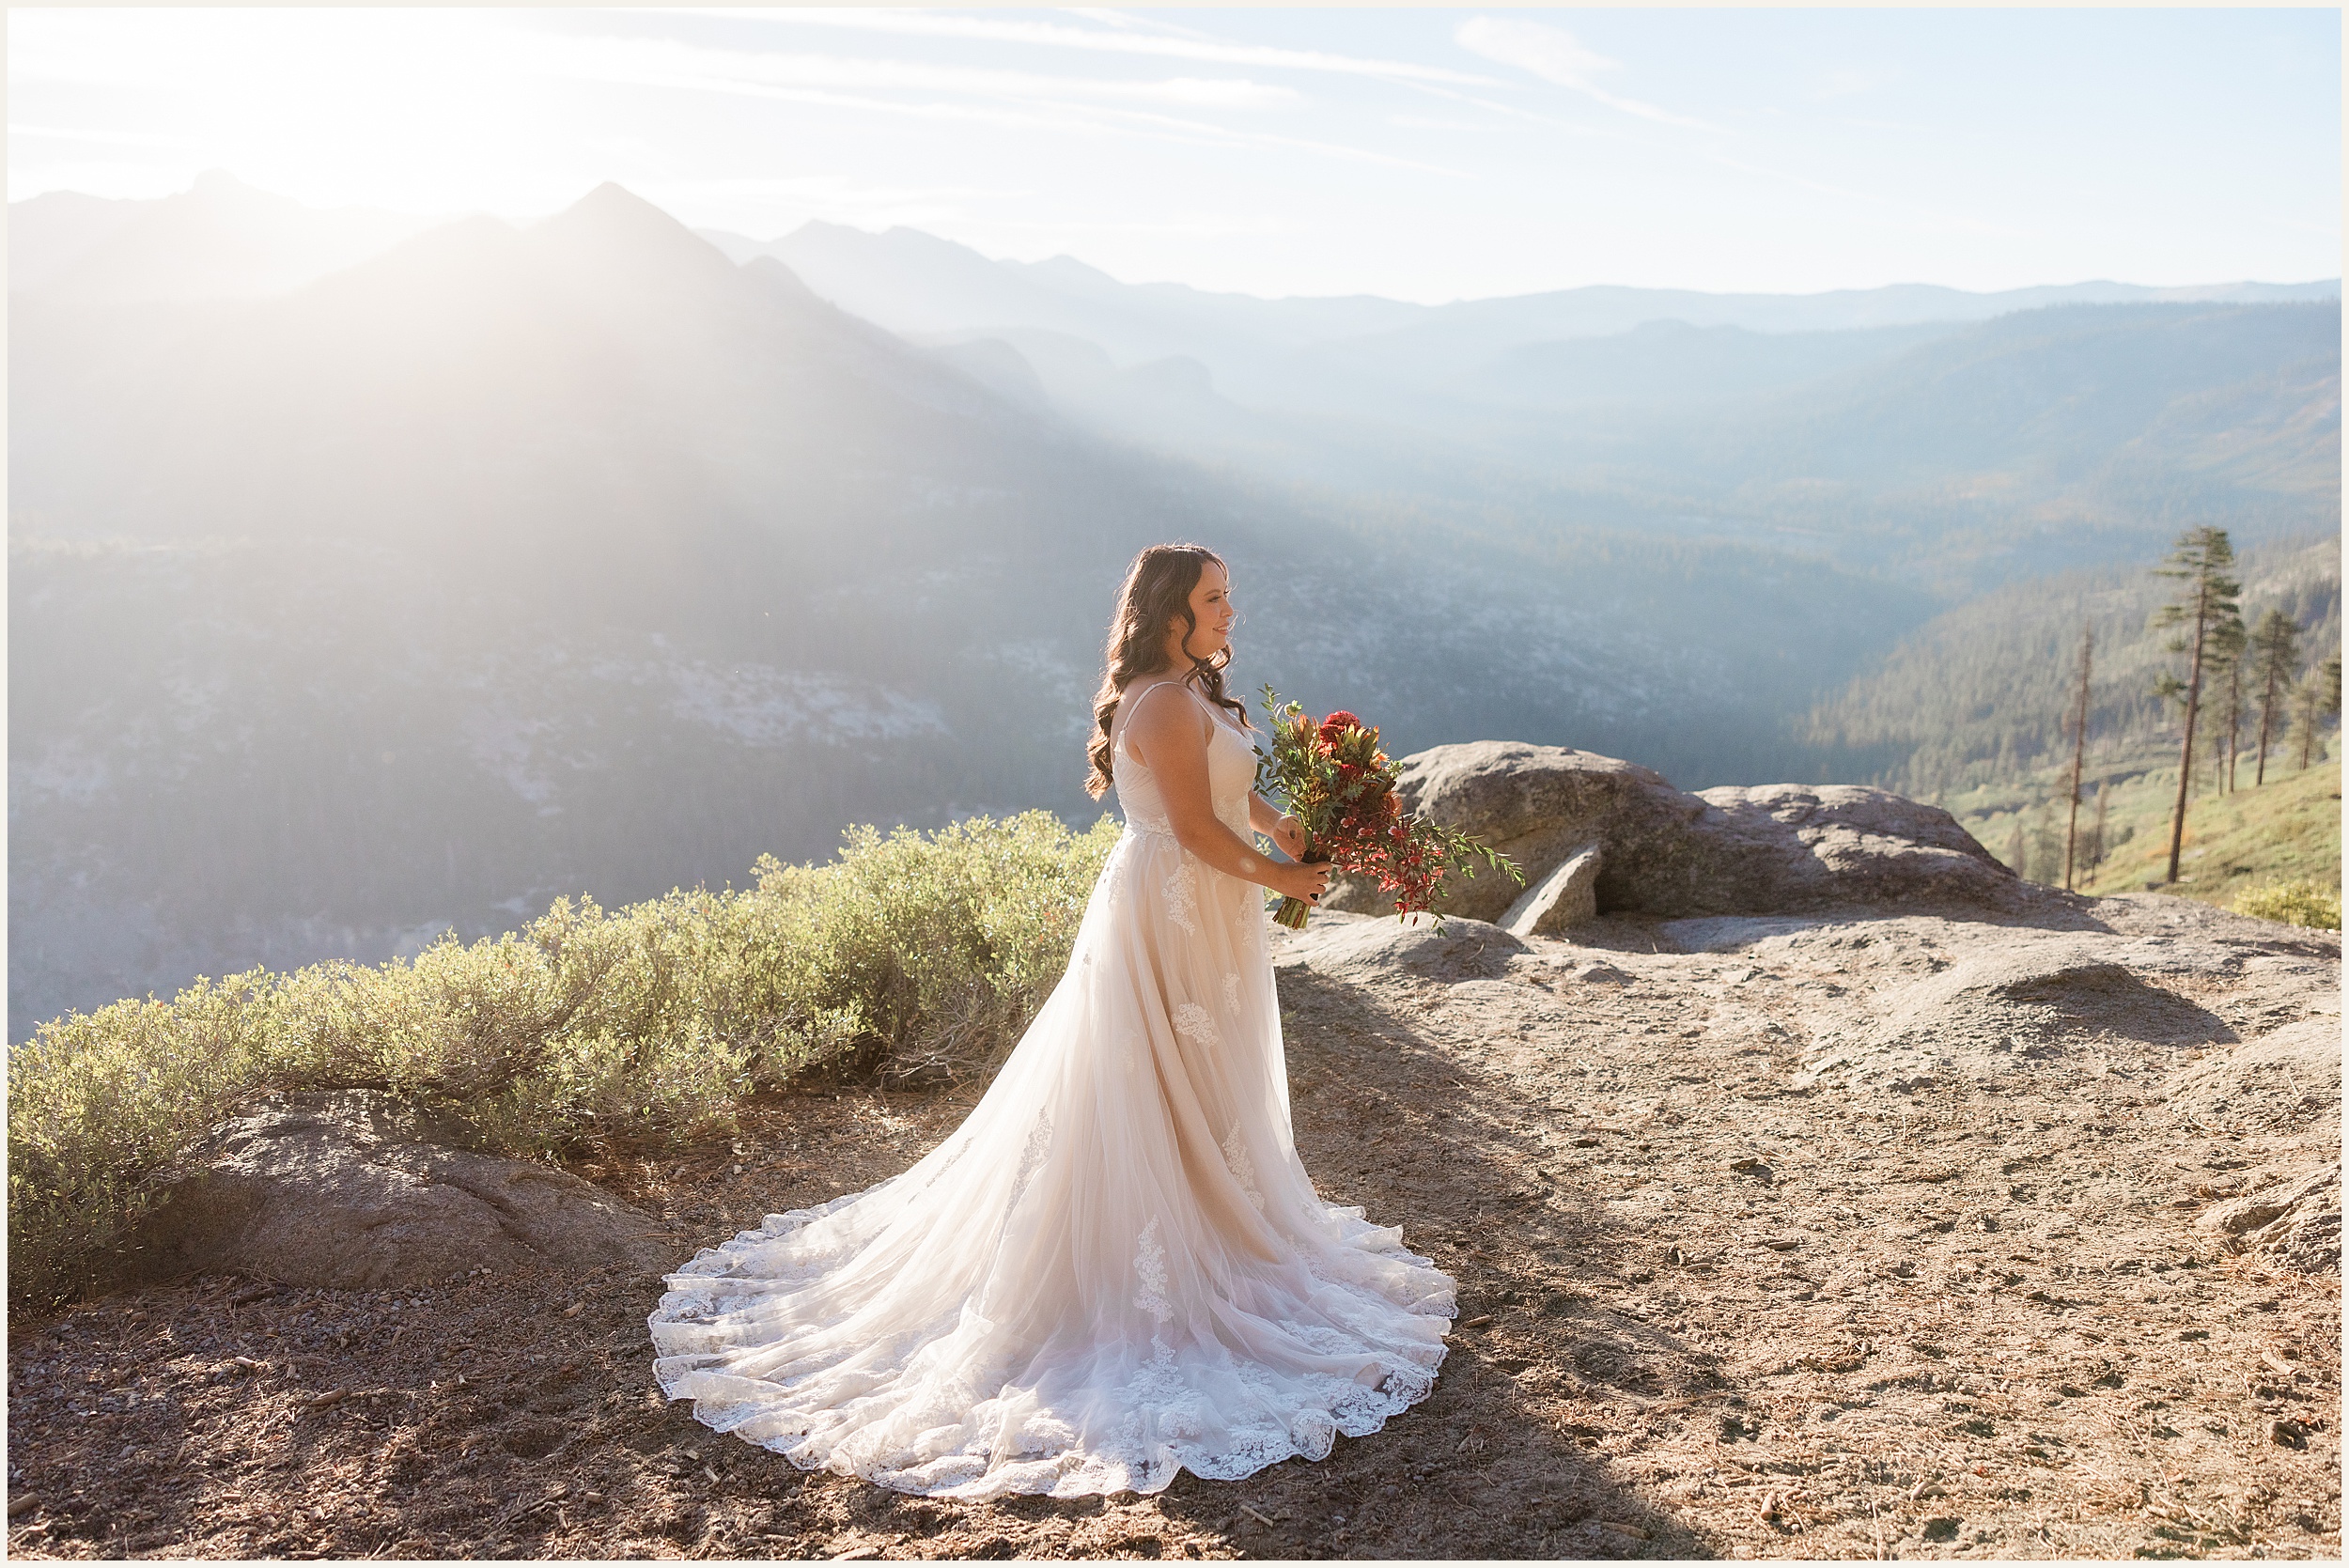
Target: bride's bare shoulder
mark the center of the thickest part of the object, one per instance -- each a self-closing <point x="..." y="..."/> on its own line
<point x="1166" y="721"/>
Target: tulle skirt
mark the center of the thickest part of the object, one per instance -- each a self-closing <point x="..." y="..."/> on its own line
<point x="1115" y="1270"/>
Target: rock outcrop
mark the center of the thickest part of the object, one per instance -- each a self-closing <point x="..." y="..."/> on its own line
<point x="1655" y="850"/>
<point x="2283" y="1087"/>
<point x="351" y="1189"/>
<point x="1566" y="898"/>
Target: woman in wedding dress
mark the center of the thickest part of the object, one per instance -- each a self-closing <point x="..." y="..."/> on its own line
<point x="1115" y="1268"/>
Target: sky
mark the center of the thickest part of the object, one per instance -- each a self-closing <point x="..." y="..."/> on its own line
<point x="1424" y="154"/>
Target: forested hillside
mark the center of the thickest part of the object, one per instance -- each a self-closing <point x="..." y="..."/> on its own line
<point x="1981" y="694"/>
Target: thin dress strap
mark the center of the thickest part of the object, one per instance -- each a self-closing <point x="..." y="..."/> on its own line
<point x="1127" y="709"/>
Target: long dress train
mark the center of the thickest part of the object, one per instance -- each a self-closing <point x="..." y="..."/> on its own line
<point x="1115" y="1270"/>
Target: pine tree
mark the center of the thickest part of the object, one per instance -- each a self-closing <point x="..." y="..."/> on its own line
<point x="2315" y="699"/>
<point x="2080" y="756"/>
<point x="2229" y="643"/>
<point x="2015" y="858"/>
<point x="2275" y="648"/>
<point x="2047" y="845"/>
<point x="2201" y="562"/>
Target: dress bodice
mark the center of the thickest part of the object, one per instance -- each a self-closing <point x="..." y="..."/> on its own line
<point x="1230" y="770"/>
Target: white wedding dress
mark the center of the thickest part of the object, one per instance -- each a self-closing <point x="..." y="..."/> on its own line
<point x="1115" y="1268"/>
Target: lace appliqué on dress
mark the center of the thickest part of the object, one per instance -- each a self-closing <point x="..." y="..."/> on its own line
<point x="1231" y="994"/>
<point x="1032" y="1157"/>
<point x="1150" y="1272"/>
<point x="1243" y="1169"/>
<point x="1249" y="918"/>
<point x="1182" y="897"/>
<point x="1197" y="1025"/>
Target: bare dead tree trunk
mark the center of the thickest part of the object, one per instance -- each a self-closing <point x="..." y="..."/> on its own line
<point x="2080" y="756"/>
<point x="2234" y="713"/>
<point x="2267" y="708"/>
<point x="2096" y="833"/>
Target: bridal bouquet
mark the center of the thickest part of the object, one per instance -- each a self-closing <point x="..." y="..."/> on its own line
<point x="1341" y="787"/>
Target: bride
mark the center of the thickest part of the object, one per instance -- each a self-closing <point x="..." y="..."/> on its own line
<point x="1115" y="1268"/>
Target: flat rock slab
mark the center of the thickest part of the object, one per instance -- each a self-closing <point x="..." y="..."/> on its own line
<point x="350" y="1190"/>
<point x="1351" y="946"/>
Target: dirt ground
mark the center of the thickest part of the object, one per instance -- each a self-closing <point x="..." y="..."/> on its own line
<point x="1753" y="1263"/>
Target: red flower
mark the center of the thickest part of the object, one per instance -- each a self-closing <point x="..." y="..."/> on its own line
<point x="1338" y="724"/>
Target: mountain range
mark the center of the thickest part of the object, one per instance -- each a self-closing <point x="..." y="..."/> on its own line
<point x="1283" y="353"/>
<point x="1915" y="430"/>
<point x="365" y="584"/>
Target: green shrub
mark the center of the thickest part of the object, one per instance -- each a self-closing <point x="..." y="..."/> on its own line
<point x="2294" y="903"/>
<point x="908" y="956"/>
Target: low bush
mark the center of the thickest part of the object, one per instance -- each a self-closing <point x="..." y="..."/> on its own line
<point x="910" y="955"/>
<point x="2294" y="903"/>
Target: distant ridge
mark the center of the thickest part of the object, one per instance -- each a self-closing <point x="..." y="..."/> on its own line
<point x="225" y="237"/>
<point x="912" y="281"/>
<point x="220" y="238"/>
<point x="1363" y="357"/>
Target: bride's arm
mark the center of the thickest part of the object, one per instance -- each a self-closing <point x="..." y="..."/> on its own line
<point x="1277" y="825"/>
<point x="1171" y="738"/>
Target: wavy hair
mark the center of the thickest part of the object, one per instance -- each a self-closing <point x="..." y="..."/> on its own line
<point x="1155" y="596"/>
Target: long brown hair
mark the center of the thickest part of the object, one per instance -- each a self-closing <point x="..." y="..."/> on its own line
<point x="1156" y="594"/>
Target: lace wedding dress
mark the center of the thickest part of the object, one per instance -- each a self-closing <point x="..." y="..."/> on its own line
<point x="1115" y="1270"/>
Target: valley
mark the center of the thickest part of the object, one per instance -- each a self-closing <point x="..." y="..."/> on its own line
<point x="371" y="578"/>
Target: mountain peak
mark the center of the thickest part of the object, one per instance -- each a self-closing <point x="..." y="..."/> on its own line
<point x="611" y="204"/>
<point x="615" y="223"/>
<point x="220" y="194"/>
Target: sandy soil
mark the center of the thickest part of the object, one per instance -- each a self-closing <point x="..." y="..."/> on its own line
<point x="1807" y="1246"/>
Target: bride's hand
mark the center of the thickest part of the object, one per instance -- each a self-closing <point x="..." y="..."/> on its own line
<point x="1308" y="882"/>
<point x="1288" y="836"/>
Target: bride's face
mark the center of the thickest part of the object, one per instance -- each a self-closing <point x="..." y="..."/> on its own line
<point x="1211" y="615"/>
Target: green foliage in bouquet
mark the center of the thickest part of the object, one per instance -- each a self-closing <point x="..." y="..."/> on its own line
<point x="1337" y="783"/>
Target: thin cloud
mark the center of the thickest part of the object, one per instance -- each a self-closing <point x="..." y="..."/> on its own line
<point x="1051" y="35"/>
<point x="1040" y="104"/>
<point x="612" y="59"/>
<point x="1427" y="122"/>
<point x="1510" y="110"/>
<point x="1127" y="21"/>
<point x="1557" y="56"/>
<point x="107" y="138"/>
